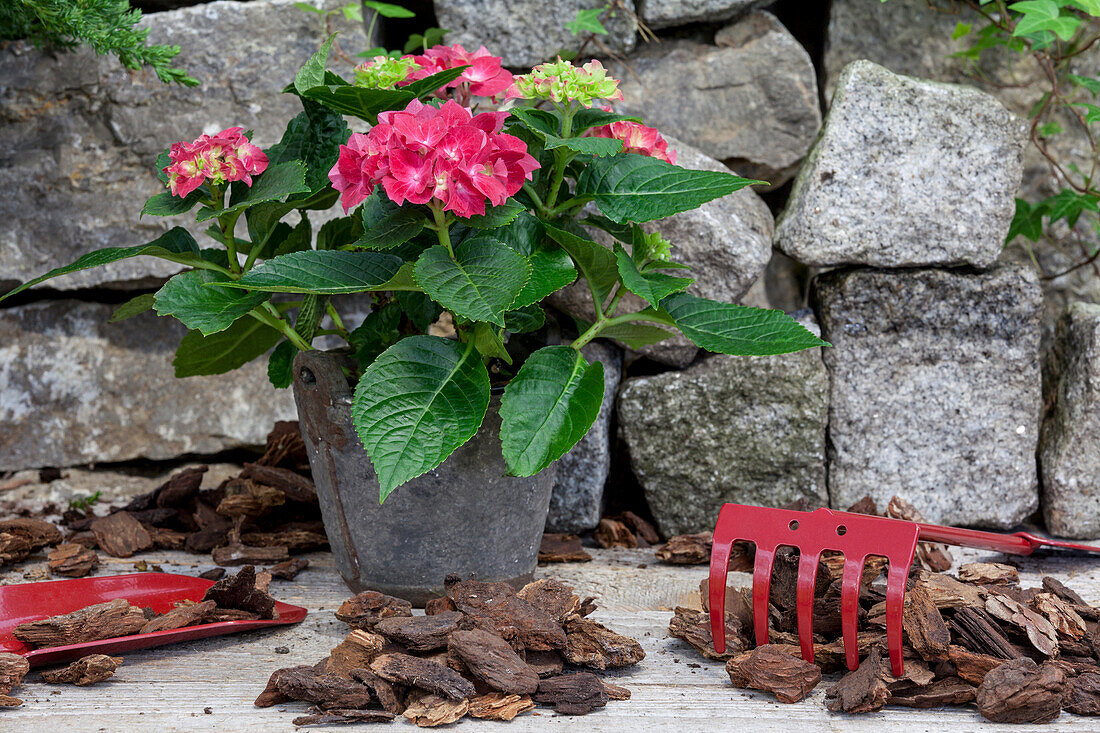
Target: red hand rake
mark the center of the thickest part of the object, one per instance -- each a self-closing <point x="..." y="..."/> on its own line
<point x="856" y="536"/>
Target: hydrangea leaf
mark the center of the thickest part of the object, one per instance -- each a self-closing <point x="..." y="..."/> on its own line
<point x="480" y="283"/>
<point x="725" y="328"/>
<point x="651" y="287"/>
<point x="223" y="351"/>
<point x="197" y="300"/>
<point x="595" y="261"/>
<point x="327" y="272"/>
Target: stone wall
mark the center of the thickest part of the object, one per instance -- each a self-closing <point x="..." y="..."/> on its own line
<point x="894" y="173"/>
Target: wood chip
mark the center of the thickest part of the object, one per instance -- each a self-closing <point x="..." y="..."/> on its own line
<point x="84" y="671"/>
<point x="309" y="684"/>
<point x="232" y="555"/>
<point x="591" y="644"/>
<point x="424" y="674"/>
<point x="240" y="592"/>
<point x="436" y="606"/>
<point x="946" y="691"/>
<point x="120" y="535"/>
<point x="364" y="610"/>
<point x="923" y="625"/>
<point x="947" y="592"/>
<point x="930" y="555"/>
<point x="294" y="486"/>
<point x="970" y="666"/>
<point x="420" y="633"/>
<point x="37" y="532"/>
<point x="1040" y="632"/>
<point x="332" y="717"/>
<point x="13" y="548"/>
<point x="688" y="549"/>
<point x="248" y="499"/>
<point x="212" y="574"/>
<point x="694" y="627"/>
<point x="643" y="530"/>
<point x="181" y="616"/>
<point x="491" y="660"/>
<point x="545" y="664"/>
<point x="389" y="695"/>
<point x="429" y="711"/>
<point x="974" y="629"/>
<point x="499" y="706"/>
<point x="1021" y="691"/>
<point x="1083" y="694"/>
<point x="860" y="691"/>
<point x="288" y="569"/>
<point x="13" y="668"/>
<point x="1066" y="621"/>
<point x="231" y="614"/>
<point x="357" y="651"/>
<point x="776" y="670"/>
<point x="615" y="692"/>
<point x="72" y="560"/>
<point x="572" y="694"/>
<point x="92" y="623"/>
<point x="294" y="540"/>
<point x="613" y="533"/>
<point x="496" y="608"/>
<point x="556" y="598"/>
<point x="989" y="573"/>
<point x="562" y="548"/>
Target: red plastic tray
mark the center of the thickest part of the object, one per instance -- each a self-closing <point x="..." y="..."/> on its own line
<point x="159" y="591"/>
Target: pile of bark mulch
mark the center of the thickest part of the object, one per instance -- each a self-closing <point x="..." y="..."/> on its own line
<point x="236" y="598"/>
<point x="624" y="530"/>
<point x="1020" y="655"/>
<point x="483" y="650"/>
<point x="260" y="517"/>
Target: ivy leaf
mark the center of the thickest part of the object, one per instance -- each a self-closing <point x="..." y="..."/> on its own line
<point x="280" y="365"/>
<point x="1069" y="205"/>
<point x="175" y="245"/>
<point x="725" y="328"/>
<point x="165" y="204"/>
<point x="1042" y="16"/>
<point x="224" y="351"/>
<point x="587" y="21"/>
<point x="327" y="272"/>
<point x="652" y="287"/>
<point x="133" y="307"/>
<point x="479" y="284"/>
<point x="1026" y="222"/>
<point x="549" y="405"/>
<point x="632" y="187"/>
<point x="421" y="399"/>
<point x="197" y="300"/>
<point x="1092" y="112"/>
<point x="595" y="261"/>
<point x="389" y="10"/>
<point x="1086" y="82"/>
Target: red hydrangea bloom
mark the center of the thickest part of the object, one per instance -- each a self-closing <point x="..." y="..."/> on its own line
<point x="637" y="138"/>
<point x="485" y="75"/>
<point x="423" y="153"/>
<point x="225" y="157"/>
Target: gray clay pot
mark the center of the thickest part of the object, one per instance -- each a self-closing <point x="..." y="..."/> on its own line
<point x="464" y="517"/>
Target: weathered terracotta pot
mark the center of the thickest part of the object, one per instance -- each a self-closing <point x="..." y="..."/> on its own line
<point x="464" y="517"/>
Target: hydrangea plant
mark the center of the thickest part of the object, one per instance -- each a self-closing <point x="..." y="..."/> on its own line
<point x="473" y="194"/>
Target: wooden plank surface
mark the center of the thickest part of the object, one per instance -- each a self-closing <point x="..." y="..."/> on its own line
<point x="210" y="685"/>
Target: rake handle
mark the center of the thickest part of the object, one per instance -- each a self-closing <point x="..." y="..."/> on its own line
<point x="1013" y="544"/>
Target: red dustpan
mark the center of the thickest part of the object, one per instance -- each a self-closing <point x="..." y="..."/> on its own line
<point x="159" y="591"/>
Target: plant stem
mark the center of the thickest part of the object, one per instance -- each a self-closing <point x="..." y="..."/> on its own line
<point x="561" y="158"/>
<point x="265" y="316"/>
<point x="441" y="229"/>
<point x="336" y="320"/>
<point x="605" y="322"/>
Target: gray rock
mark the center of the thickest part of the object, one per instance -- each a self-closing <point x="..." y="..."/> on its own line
<point x="81" y="133"/>
<point x="750" y="101"/>
<point x="528" y="32"/>
<point x="906" y="173"/>
<point x="75" y="389"/>
<point x="730" y="428"/>
<point x="935" y="390"/>
<point x="577" y="501"/>
<point x="1070" y="450"/>
<point x="666" y="13"/>
<point x="727" y="243"/>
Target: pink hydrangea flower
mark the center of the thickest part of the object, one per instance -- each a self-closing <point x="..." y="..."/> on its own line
<point x="424" y="155"/>
<point x="637" y="138"/>
<point x="485" y="77"/>
<point x="222" y="158"/>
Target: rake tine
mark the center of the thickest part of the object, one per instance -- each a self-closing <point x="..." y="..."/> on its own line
<point x="849" y="608"/>
<point x="761" y="589"/>
<point x="807" y="575"/>
<point x="895" y="602"/>
<point x="721" y="546"/>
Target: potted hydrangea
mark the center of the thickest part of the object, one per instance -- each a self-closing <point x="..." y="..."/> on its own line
<point x="470" y="197"/>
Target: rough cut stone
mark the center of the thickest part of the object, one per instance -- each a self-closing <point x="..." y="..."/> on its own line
<point x="527" y="32"/>
<point x="667" y="13"/>
<point x="727" y="243"/>
<point x="743" y="429"/>
<point x="80" y="133"/>
<point x="750" y="101"/>
<point x="935" y="390"/>
<point x="906" y="173"/>
<point x="1070" y="451"/>
<point x="577" y="501"/>
<point x="75" y="389"/>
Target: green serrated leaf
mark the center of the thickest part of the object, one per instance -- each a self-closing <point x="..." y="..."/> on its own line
<point x="551" y="270"/>
<point x="389" y="10"/>
<point x="223" y="351"/>
<point x="314" y="137"/>
<point x="327" y="272"/>
<point x="480" y="283"/>
<point x="586" y="118"/>
<point x="652" y="287"/>
<point x="280" y="365"/>
<point x="421" y="309"/>
<point x="165" y="204"/>
<point x="549" y="405"/>
<point x="198" y="301"/>
<point x="496" y="217"/>
<point x="528" y="319"/>
<point x="387" y="225"/>
<point x="596" y="262"/>
<point x="380" y="330"/>
<point x="546" y="126"/>
<point x="175" y="245"/>
<point x="274" y="184"/>
<point x="489" y="342"/>
<point x="632" y="187"/>
<point x="636" y="335"/>
<point x="725" y="328"/>
<point x="421" y="399"/>
<point x="340" y="233"/>
<point x="133" y="307"/>
<point x="312" y="73"/>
